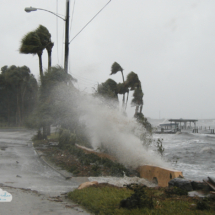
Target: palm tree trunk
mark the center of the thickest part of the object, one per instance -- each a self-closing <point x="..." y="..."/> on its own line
<point x="136" y="109"/>
<point x="141" y="107"/>
<point x="126" y="100"/>
<point x="123" y="102"/>
<point x="123" y="99"/>
<point x="123" y="77"/>
<point x="49" y="51"/>
<point x="40" y="64"/>
<point x="49" y="59"/>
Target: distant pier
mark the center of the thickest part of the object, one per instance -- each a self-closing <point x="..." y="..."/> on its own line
<point x="184" y="123"/>
<point x="175" y="125"/>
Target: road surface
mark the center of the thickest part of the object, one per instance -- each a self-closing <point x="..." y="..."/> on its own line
<point x="35" y="187"/>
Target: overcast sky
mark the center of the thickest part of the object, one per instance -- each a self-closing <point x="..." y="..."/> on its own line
<point x="169" y="44"/>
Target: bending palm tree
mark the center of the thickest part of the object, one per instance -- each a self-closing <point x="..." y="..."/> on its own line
<point x="114" y="69"/>
<point x="45" y="38"/>
<point x="31" y="44"/>
<point x="117" y="68"/>
<point x="132" y="82"/>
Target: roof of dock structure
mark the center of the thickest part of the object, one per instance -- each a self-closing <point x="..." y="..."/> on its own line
<point x="183" y="120"/>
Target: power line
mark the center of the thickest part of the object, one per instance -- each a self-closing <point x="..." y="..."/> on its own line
<point x="88" y="23"/>
<point x="85" y="78"/>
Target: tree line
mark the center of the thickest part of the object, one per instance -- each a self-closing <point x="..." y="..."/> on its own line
<point x="18" y="94"/>
<point x="25" y="102"/>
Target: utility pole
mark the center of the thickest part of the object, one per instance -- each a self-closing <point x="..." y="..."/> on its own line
<point x="66" y="58"/>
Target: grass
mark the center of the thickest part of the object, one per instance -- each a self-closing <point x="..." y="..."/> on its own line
<point x="105" y="200"/>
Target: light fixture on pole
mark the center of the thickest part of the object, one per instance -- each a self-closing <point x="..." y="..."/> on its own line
<point x="66" y="19"/>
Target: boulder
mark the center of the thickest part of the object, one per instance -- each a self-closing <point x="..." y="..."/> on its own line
<point x="87" y="184"/>
<point x="181" y="183"/>
<point x="198" y="185"/>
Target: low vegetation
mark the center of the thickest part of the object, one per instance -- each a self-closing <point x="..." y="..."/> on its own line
<point x="77" y="161"/>
<point x="107" y="199"/>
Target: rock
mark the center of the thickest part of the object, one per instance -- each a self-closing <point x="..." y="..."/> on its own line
<point x="87" y="184"/>
<point x="181" y="183"/>
<point x="198" y="185"/>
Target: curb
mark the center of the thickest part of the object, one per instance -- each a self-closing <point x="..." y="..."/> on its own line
<point x="44" y="161"/>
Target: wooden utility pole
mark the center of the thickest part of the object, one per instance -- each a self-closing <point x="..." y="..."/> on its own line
<point x="66" y="59"/>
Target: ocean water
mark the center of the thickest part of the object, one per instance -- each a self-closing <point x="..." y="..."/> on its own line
<point x="193" y="154"/>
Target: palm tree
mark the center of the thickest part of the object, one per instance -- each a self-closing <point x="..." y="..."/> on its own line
<point x="49" y="50"/>
<point x="114" y="69"/>
<point x="34" y="43"/>
<point x="117" y="68"/>
<point x="45" y="38"/>
<point x="31" y="44"/>
<point x="132" y="82"/>
<point x="138" y="99"/>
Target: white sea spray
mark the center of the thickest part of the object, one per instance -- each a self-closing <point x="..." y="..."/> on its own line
<point x="108" y="129"/>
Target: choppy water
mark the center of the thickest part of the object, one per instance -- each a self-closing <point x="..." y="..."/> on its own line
<point x="193" y="154"/>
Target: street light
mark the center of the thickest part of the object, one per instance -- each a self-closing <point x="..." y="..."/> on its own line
<point x="31" y="9"/>
<point x="66" y="58"/>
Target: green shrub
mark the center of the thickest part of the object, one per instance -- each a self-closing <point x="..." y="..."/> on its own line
<point x="139" y="199"/>
<point x="75" y="172"/>
<point x="203" y="204"/>
<point x="96" y="170"/>
<point x="73" y="168"/>
<point x="175" y="191"/>
<point x="66" y="138"/>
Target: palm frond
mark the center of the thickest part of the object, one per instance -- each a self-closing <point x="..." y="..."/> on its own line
<point x="44" y="35"/>
<point x="116" y="68"/>
<point x="30" y="44"/>
<point x="132" y="81"/>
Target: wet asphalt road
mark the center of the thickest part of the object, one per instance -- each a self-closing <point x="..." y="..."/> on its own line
<point x="20" y="167"/>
